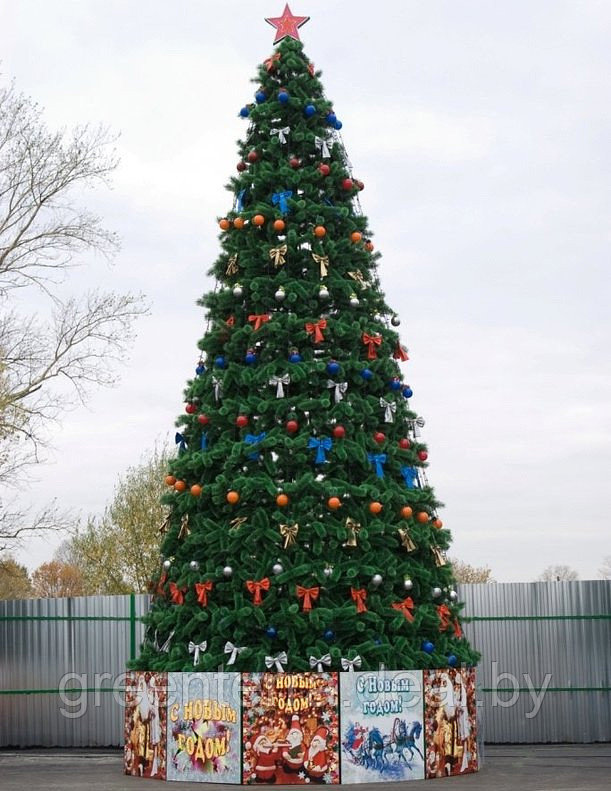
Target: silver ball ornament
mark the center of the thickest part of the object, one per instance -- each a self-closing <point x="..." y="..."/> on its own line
<point x="227" y="571"/>
<point x="193" y="565"/>
<point x="277" y="568"/>
<point x="354" y="301"/>
<point x="453" y="596"/>
<point x="376" y="580"/>
<point x="167" y="564"/>
<point x="436" y="593"/>
<point x="238" y="291"/>
<point x="280" y="295"/>
<point x="395" y="321"/>
<point x="323" y="293"/>
<point x="327" y="571"/>
<point x="408" y="584"/>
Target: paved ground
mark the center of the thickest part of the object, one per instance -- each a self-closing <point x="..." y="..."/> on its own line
<point x="506" y="768"/>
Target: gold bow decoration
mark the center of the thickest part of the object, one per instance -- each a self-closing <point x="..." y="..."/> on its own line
<point x="185" y="530"/>
<point x="232" y="266"/>
<point x="358" y="276"/>
<point x="406" y="539"/>
<point x="323" y="263"/>
<point x="165" y="526"/>
<point x="438" y="556"/>
<point x="278" y="255"/>
<point x="236" y="523"/>
<point x="289" y="534"/>
<point x="354" y="528"/>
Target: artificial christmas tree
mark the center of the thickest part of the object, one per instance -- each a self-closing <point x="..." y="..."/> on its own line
<point x="302" y="532"/>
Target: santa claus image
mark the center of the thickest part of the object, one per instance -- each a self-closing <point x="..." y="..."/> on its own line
<point x="266" y="756"/>
<point x="316" y="763"/>
<point x="293" y="754"/>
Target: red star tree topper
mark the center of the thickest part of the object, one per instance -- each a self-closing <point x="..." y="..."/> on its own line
<point x="287" y="25"/>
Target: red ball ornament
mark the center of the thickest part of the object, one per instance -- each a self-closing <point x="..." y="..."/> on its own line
<point x="359" y="184"/>
<point x="423" y="455"/>
<point x="282" y="500"/>
<point x="404" y="443"/>
<point x="241" y="166"/>
<point x="292" y="426"/>
<point x="347" y="184"/>
<point x="190" y="409"/>
<point x="320" y="231"/>
<point x="196" y="490"/>
<point x="368" y="246"/>
<point x="438" y="523"/>
<point x="333" y="503"/>
<point x="324" y="169"/>
<point x="294" y="162"/>
<point x="203" y="420"/>
<point x="232" y="497"/>
<point x="375" y="507"/>
<point x="170" y="480"/>
<point x="224" y="224"/>
<point x="422" y="517"/>
<point x="241" y="421"/>
<point x="339" y="432"/>
<point x="180" y="486"/>
<point x="252" y="156"/>
<point x="379" y="437"/>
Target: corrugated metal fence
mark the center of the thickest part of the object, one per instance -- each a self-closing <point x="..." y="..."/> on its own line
<point x="544" y="674"/>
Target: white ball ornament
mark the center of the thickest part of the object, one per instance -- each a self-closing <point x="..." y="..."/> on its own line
<point x="277" y="568"/>
<point x="354" y="301"/>
<point x="408" y="584"/>
<point x="238" y="290"/>
<point x="436" y="593"/>
<point x="377" y="579"/>
<point x="193" y="565"/>
<point x="227" y="571"/>
<point x="167" y="564"/>
<point x="280" y="295"/>
<point x="327" y="571"/>
<point x="453" y="596"/>
<point x="323" y="293"/>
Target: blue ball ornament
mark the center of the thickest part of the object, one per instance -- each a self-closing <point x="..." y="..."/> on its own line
<point x="452" y="660"/>
<point x="260" y="97"/>
<point x="331" y="119"/>
<point x="338" y="125"/>
<point x="283" y="97"/>
<point x="329" y="635"/>
<point x="309" y="110"/>
<point x="408" y="392"/>
<point x="428" y="647"/>
<point x="367" y="374"/>
<point x="295" y="357"/>
<point x="271" y="632"/>
<point x="395" y="384"/>
<point x="219" y="361"/>
<point x="250" y="358"/>
<point x="244" y="112"/>
<point x="201" y="369"/>
<point x="333" y="367"/>
<point x="377" y="641"/>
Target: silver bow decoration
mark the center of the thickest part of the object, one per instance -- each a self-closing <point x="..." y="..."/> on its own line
<point x="280" y="381"/>
<point x="282" y="133"/>
<point x="217" y="384"/>
<point x="389" y="407"/>
<point x="340" y="389"/>
<point x="350" y="664"/>
<point x="278" y="660"/>
<point x="196" y="649"/>
<point x="325" y="659"/>
<point x="166" y="646"/>
<point x="415" y="425"/>
<point x="234" y="650"/>
<point x="321" y="145"/>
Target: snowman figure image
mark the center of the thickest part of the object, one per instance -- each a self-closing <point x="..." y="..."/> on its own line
<point x="316" y="763"/>
<point x="293" y="755"/>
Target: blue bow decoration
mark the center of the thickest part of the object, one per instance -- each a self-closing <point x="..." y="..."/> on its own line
<point x="181" y="442"/>
<point x="240" y="199"/>
<point x="329" y="202"/>
<point x="280" y="199"/>
<point x="204" y="442"/>
<point x="410" y="476"/>
<point x="254" y="439"/>
<point x="321" y="445"/>
<point x="378" y="459"/>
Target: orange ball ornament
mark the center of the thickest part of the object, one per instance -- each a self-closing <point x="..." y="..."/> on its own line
<point x="196" y="490"/>
<point x="224" y="224"/>
<point x="238" y="223"/>
<point x="438" y="523"/>
<point x="233" y="497"/>
<point x="180" y="486"/>
<point x="258" y="219"/>
<point x="282" y="500"/>
<point x="279" y="225"/>
<point x="334" y="503"/>
<point x="170" y="480"/>
<point x="356" y="236"/>
<point x="422" y="517"/>
<point x="406" y="512"/>
<point x="375" y="507"/>
<point x="320" y="231"/>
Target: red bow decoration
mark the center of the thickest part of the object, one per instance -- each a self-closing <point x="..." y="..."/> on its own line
<point x="255" y="587"/>
<point x="457" y="629"/>
<point x="162" y="581"/>
<point x="230" y="321"/>
<point x="259" y="319"/>
<point x="311" y="68"/>
<point x="400" y="353"/>
<point x="202" y="589"/>
<point x="358" y="596"/>
<point x="444" y="616"/>
<point x="316" y="327"/>
<point x="269" y="62"/>
<point x="177" y="595"/>
<point x="406" y="607"/>
<point x="307" y="594"/>
<point x="371" y="341"/>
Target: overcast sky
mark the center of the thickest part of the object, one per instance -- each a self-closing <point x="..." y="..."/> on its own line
<point x="482" y="132"/>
